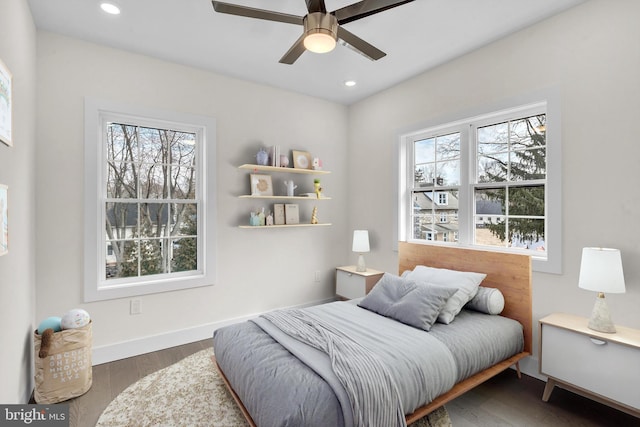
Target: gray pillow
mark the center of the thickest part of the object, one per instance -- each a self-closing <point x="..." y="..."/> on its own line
<point x="409" y="302"/>
<point x="466" y="282"/>
<point x="487" y="300"/>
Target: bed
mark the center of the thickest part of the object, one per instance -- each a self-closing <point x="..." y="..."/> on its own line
<point x="276" y="383"/>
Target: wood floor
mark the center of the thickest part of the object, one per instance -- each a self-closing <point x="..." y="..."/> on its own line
<point x="504" y="400"/>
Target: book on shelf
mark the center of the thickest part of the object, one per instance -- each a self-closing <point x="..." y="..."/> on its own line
<point x="291" y="213"/>
<point x="274" y="153"/>
<point x="278" y="214"/>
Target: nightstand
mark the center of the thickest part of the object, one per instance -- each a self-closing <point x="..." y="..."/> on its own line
<point x="355" y="284"/>
<point x="597" y="365"/>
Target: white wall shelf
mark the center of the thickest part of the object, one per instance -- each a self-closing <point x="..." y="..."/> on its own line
<point x="315" y="199"/>
<point x="262" y="227"/>
<point x="282" y="170"/>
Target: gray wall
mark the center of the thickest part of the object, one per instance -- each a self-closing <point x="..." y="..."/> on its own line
<point x="17" y="268"/>
<point x="258" y="270"/>
<point x="589" y="57"/>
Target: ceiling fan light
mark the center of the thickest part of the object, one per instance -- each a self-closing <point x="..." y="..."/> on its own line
<point x="321" y="32"/>
<point x="110" y="8"/>
<point x="319" y="42"/>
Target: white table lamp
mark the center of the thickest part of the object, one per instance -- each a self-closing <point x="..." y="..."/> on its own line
<point x="601" y="271"/>
<point x="360" y="245"/>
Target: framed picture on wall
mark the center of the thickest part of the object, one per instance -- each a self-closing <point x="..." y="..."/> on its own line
<point x="4" y="223"/>
<point x="261" y="185"/>
<point x="5" y="104"/>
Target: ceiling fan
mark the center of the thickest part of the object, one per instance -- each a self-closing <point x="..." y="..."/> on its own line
<point x="322" y="29"/>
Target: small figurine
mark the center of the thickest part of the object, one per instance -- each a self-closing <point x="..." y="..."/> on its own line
<point x="290" y="187"/>
<point x="262" y="218"/>
<point x="253" y="219"/>
<point x="284" y="160"/>
<point x="270" y="218"/>
<point x="316" y="165"/>
<point x="314" y="215"/>
<point x="317" y="188"/>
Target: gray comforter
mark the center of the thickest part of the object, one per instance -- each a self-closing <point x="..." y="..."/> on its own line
<point x="282" y="385"/>
<point x="379" y="383"/>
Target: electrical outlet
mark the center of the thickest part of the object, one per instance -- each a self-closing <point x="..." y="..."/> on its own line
<point x="135" y="306"/>
<point x="317" y="276"/>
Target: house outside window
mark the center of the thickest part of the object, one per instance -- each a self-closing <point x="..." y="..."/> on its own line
<point x="150" y="176"/>
<point x="442" y="198"/>
<point x="488" y="176"/>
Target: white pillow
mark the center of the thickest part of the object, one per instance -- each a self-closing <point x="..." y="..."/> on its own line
<point x="465" y="281"/>
<point x="487" y="300"/>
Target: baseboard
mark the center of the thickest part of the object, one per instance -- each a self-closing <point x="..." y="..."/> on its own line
<point x="147" y="344"/>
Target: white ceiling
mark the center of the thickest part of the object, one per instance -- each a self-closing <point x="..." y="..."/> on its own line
<point x="416" y="37"/>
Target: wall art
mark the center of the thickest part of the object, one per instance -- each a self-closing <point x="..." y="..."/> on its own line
<point x="4" y="222"/>
<point x="5" y="105"/>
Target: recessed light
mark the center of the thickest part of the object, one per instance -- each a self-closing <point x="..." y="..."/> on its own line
<point x="350" y="83"/>
<point x="110" y="8"/>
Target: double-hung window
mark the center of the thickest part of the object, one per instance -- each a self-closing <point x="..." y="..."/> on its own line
<point x="150" y="205"/>
<point x="483" y="182"/>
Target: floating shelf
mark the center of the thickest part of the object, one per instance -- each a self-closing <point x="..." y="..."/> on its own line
<point x="282" y="170"/>
<point x="282" y="226"/>
<point x="247" y="196"/>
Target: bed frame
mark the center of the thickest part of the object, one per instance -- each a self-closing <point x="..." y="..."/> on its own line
<point x="511" y="273"/>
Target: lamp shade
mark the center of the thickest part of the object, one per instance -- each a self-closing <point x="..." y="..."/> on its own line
<point x="601" y="270"/>
<point x="360" y="241"/>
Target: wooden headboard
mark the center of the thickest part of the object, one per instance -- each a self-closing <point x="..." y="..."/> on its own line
<point x="511" y="273"/>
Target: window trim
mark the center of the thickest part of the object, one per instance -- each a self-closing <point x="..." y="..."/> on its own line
<point x="553" y="193"/>
<point x="96" y="112"/>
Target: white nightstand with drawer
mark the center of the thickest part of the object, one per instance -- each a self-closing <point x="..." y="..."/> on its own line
<point x="355" y="284"/>
<point x="601" y="366"/>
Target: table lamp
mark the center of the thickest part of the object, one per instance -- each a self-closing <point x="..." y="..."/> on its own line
<point x="601" y="271"/>
<point x="360" y="245"/>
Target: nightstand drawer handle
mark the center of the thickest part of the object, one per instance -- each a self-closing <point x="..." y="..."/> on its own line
<point x="597" y="341"/>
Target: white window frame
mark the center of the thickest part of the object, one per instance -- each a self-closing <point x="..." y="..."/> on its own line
<point x="550" y="105"/>
<point x="97" y="113"/>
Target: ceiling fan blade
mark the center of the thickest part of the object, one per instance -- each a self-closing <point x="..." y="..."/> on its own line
<point x="316" y="6"/>
<point x="365" y="8"/>
<point x="250" y="12"/>
<point x="294" y="52"/>
<point x="359" y="45"/>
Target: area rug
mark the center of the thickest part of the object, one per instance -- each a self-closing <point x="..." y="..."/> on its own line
<point x="191" y="393"/>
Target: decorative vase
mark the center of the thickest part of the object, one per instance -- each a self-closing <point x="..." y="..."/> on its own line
<point x="262" y="157"/>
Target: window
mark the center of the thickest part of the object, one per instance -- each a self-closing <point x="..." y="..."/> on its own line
<point x="487" y="181"/>
<point x="149" y="177"/>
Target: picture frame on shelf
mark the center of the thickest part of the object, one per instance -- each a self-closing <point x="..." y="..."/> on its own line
<point x="301" y="159"/>
<point x="261" y="185"/>
<point x="6" y="105"/>
<point x="278" y="214"/>
<point x="292" y="215"/>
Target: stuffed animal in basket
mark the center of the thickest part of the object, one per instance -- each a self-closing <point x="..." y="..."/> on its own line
<point x="72" y="319"/>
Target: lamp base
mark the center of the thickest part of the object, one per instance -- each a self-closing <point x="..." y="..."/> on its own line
<point x="600" y="317"/>
<point x="361" y="267"/>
